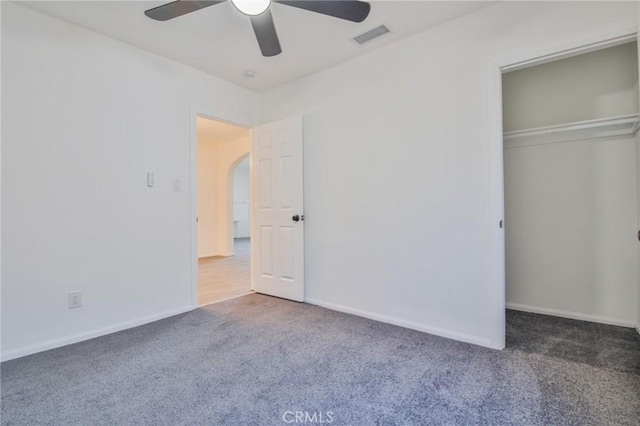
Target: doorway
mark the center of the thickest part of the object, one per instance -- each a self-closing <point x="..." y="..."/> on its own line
<point x="570" y="136"/>
<point x="223" y="210"/>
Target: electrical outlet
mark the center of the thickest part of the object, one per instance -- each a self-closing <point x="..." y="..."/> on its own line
<point x="75" y="299"/>
<point x="176" y="185"/>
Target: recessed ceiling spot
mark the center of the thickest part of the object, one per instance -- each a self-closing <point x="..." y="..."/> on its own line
<point x="249" y="73"/>
<point x="371" y="34"/>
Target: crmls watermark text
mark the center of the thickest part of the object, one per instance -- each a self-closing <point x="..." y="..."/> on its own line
<point x="307" y="416"/>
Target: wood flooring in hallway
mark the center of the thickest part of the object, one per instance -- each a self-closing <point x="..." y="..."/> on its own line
<point x="220" y="278"/>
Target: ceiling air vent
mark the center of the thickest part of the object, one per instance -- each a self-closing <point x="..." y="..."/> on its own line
<point x="371" y="34"/>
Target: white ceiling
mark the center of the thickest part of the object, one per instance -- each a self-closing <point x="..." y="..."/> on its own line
<point x="220" y="41"/>
<point x="217" y="131"/>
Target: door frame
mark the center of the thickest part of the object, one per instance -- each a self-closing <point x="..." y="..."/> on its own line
<point x="199" y="111"/>
<point x="495" y="69"/>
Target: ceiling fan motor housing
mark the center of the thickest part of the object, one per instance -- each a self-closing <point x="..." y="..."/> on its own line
<point x="260" y="14"/>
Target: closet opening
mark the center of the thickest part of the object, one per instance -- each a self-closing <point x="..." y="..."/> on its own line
<point x="571" y="192"/>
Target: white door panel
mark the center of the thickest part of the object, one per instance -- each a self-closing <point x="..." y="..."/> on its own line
<point x="277" y="245"/>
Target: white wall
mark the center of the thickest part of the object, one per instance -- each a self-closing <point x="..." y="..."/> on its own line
<point x="599" y="84"/>
<point x="1" y="347"/>
<point x="571" y="229"/>
<point x="84" y="118"/>
<point x="217" y="160"/>
<point x="241" y="198"/>
<point x="638" y="222"/>
<point x="638" y="193"/>
<point x="399" y="139"/>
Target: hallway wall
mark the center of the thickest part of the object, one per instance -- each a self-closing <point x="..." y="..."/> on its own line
<point x="241" y="200"/>
<point x="215" y="194"/>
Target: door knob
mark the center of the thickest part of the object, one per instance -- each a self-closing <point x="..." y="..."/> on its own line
<point x="295" y="218"/>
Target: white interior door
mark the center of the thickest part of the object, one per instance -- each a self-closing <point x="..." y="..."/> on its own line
<point x="277" y="237"/>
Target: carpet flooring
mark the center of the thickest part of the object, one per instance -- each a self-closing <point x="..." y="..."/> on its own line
<point x="258" y="360"/>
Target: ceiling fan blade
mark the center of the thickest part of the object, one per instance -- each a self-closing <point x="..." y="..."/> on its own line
<point x="177" y="8"/>
<point x="266" y="34"/>
<point x="351" y="10"/>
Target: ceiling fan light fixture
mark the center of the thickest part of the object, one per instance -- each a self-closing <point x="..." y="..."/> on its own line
<point x="252" y="7"/>
<point x="260" y="15"/>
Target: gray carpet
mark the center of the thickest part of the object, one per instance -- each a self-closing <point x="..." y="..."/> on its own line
<point x="249" y="361"/>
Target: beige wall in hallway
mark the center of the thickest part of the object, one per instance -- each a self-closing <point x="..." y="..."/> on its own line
<point x="216" y="162"/>
<point x="241" y="198"/>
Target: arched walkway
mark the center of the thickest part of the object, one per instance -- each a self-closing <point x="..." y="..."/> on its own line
<point x="223" y="277"/>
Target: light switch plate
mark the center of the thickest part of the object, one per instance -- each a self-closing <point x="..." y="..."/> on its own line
<point x="75" y="299"/>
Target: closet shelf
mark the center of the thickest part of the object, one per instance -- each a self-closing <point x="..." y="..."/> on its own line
<point x="582" y="130"/>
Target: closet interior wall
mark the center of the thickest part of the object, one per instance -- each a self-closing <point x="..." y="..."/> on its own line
<point x="571" y="187"/>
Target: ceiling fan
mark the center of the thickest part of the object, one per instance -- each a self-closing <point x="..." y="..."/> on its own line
<point x="260" y="14"/>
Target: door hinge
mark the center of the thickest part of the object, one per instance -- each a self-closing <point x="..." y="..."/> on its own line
<point x="501" y="224"/>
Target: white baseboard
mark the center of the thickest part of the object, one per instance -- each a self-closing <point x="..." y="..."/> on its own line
<point x="228" y="298"/>
<point x="226" y="254"/>
<point x="572" y="315"/>
<point x="68" y="340"/>
<point x="449" y="334"/>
